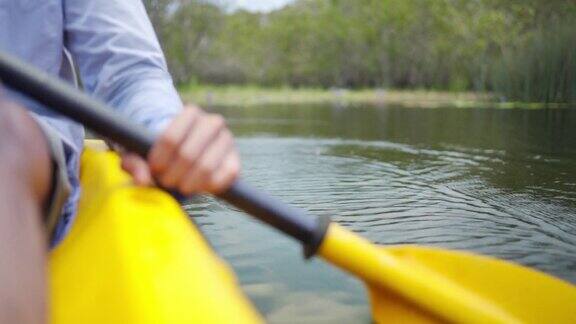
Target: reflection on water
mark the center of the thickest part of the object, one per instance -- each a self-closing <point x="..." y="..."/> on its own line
<point x="497" y="182"/>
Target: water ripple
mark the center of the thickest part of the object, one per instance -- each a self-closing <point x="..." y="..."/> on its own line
<point x="397" y="194"/>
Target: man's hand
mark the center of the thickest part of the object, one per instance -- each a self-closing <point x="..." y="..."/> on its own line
<point x="194" y="154"/>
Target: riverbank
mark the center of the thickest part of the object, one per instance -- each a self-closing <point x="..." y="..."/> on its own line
<point x="255" y="96"/>
<point x="208" y="96"/>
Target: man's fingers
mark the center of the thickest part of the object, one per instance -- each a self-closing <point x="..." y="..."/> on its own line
<point x="206" y="131"/>
<point x="195" y="154"/>
<point x="226" y="174"/>
<point x="198" y="176"/>
<point x="167" y="145"/>
<point x="207" y="128"/>
<point x="137" y="167"/>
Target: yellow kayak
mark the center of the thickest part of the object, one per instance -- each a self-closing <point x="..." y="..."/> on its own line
<point x="133" y="256"/>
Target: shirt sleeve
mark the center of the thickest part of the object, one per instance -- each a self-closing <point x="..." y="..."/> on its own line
<point x="120" y="59"/>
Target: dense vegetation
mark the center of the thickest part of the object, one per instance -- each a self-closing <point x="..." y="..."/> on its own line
<point x="519" y="49"/>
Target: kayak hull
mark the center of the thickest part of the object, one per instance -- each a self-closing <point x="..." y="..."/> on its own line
<point x="133" y="256"/>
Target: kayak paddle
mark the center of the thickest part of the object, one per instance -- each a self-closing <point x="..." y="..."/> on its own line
<point x="406" y="284"/>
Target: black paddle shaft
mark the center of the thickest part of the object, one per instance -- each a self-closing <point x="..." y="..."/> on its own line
<point x="74" y="104"/>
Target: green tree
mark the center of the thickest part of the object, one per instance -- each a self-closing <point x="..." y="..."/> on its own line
<point x="520" y="49"/>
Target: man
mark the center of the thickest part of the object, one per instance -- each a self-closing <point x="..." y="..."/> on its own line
<point x="121" y="63"/>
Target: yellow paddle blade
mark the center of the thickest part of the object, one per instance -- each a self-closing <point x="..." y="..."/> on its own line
<point x="133" y="256"/>
<point x="410" y="284"/>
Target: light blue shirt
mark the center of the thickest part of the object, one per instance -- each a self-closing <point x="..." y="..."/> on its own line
<point x="118" y="56"/>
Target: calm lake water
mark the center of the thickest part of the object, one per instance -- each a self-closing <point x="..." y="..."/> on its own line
<point x="496" y="182"/>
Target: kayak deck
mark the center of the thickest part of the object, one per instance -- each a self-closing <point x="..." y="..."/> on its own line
<point x="133" y="256"/>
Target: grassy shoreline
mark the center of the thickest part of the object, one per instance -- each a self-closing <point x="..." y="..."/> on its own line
<point x="238" y="96"/>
